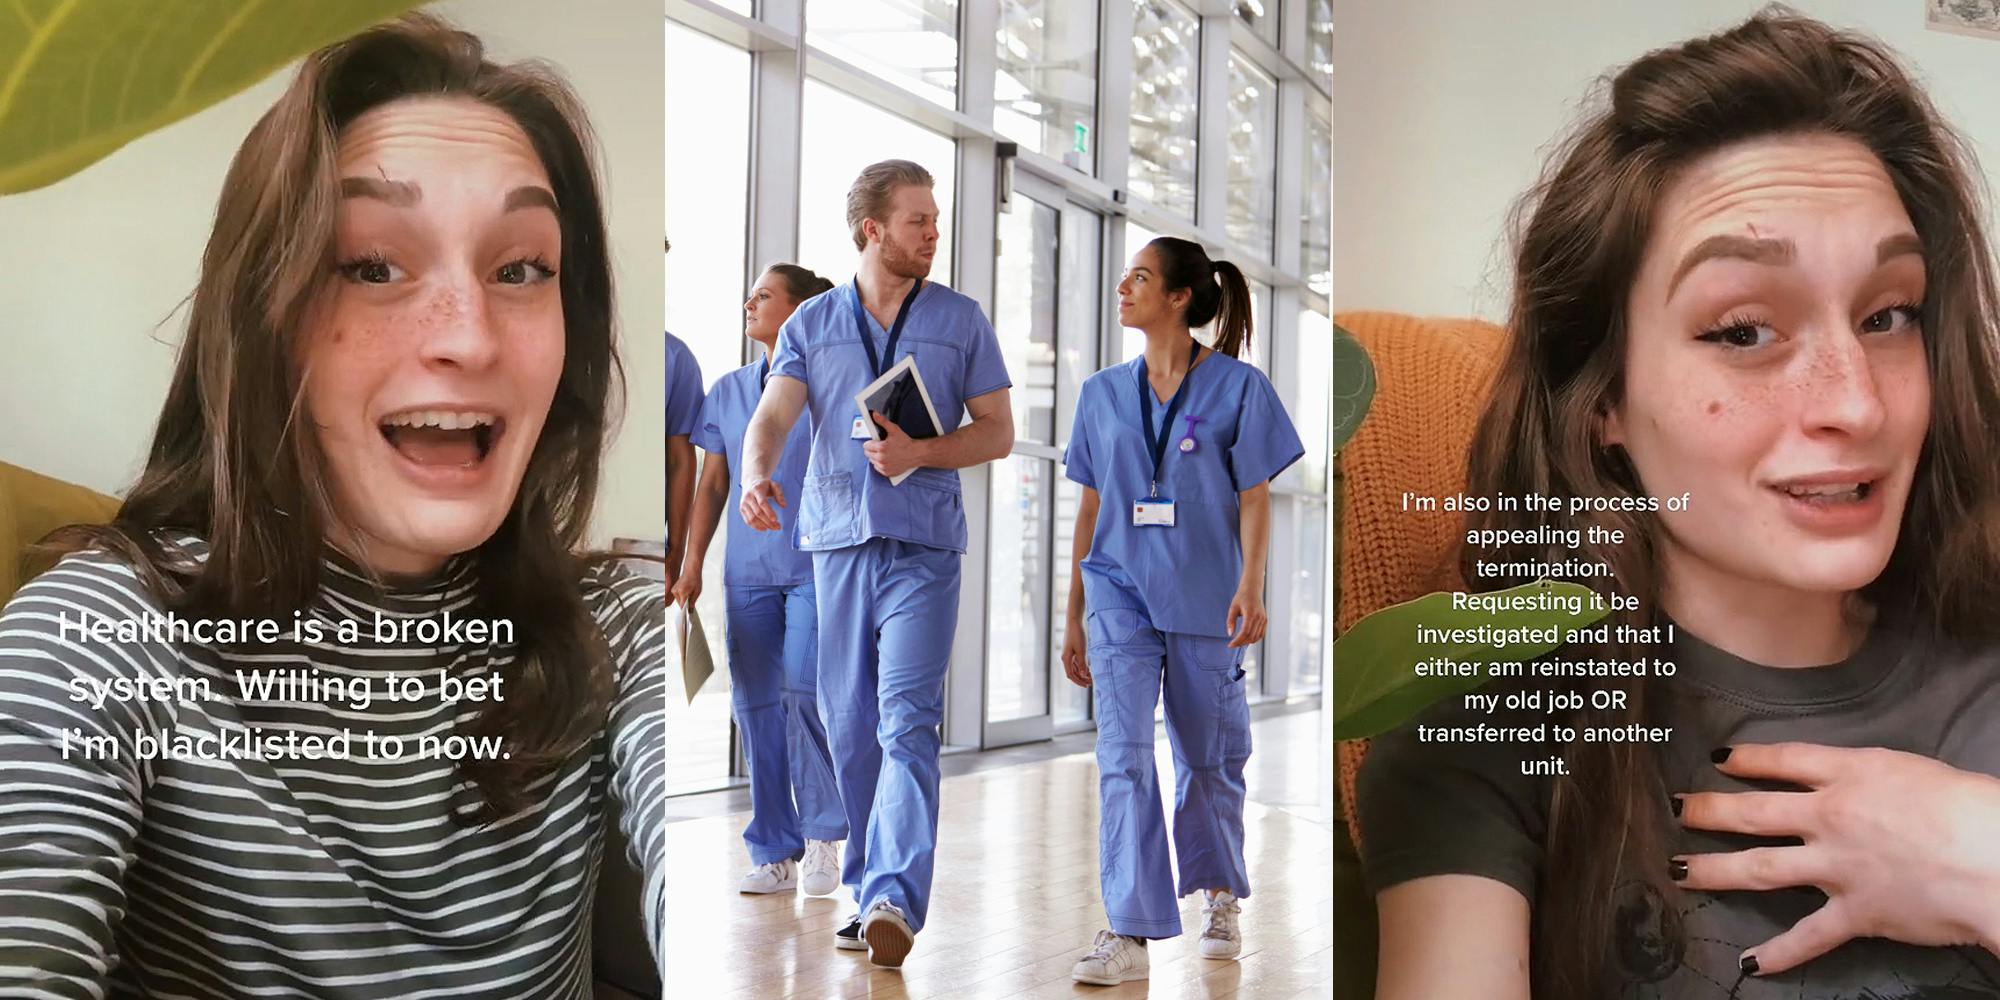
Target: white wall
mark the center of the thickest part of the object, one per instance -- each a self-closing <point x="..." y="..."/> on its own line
<point x="1443" y="111"/>
<point x="93" y="269"/>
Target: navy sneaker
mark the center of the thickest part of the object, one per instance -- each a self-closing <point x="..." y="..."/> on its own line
<point x="848" y="938"/>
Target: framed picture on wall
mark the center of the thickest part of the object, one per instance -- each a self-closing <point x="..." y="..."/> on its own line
<point x="1979" y="18"/>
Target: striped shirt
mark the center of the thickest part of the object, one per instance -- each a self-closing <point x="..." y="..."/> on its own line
<point x="214" y="875"/>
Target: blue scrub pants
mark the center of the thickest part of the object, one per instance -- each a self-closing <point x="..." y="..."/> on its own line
<point x="773" y="668"/>
<point x="1208" y="726"/>
<point x="887" y="611"/>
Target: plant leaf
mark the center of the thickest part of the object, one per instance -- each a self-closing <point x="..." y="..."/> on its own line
<point x="1353" y="385"/>
<point x="80" y="78"/>
<point x="1375" y="684"/>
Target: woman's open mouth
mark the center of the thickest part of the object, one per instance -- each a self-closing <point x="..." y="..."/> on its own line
<point x="444" y="439"/>
<point x="1837" y="504"/>
<point x="1828" y="494"/>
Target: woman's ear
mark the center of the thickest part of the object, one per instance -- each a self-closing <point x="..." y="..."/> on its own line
<point x="1610" y="428"/>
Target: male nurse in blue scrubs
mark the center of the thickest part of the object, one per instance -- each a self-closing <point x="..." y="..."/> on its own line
<point x="885" y="557"/>
<point x="684" y="398"/>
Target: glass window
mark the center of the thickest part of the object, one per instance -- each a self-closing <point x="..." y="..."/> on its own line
<point x="1017" y="671"/>
<point x="840" y="136"/>
<point x="913" y="45"/>
<point x="1166" y="71"/>
<point x="708" y="178"/>
<point x="1068" y="703"/>
<point x="1314" y="414"/>
<point x="1024" y="314"/>
<point x="707" y="175"/>
<point x="1083" y="302"/>
<point x="1253" y="160"/>
<point x="1261" y="16"/>
<point x="1316" y="222"/>
<point x="739" y="6"/>
<point x="1307" y="597"/>
<point x="1045" y="91"/>
<point x="1259" y="353"/>
<point x="1319" y="40"/>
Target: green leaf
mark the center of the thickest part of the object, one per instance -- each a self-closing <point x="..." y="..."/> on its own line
<point x="1375" y="684"/>
<point x="80" y="78"/>
<point x="1353" y="385"/>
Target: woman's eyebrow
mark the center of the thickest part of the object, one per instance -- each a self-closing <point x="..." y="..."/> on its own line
<point x="1752" y="249"/>
<point x="401" y="194"/>
<point x="1778" y="252"/>
<point x="1898" y="245"/>
<point x="529" y="196"/>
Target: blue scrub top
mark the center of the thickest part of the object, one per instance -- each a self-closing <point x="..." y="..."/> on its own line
<point x="1182" y="577"/>
<point x="683" y="388"/>
<point x="754" y="558"/>
<point x="846" y="501"/>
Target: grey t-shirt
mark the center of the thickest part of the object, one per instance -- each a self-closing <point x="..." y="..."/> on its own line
<point x="1444" y="808"/>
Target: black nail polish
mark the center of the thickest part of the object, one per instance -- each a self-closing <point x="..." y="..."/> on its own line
<point x="1677" y="869"/>
<point x="1748" y="965"/>
<point x="1719" y="754"/>
<point x="1675" y="804"/>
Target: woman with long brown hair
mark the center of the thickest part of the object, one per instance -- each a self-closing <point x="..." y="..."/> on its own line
<point x="390" y="407"/>
<point x="1757" y="279"/>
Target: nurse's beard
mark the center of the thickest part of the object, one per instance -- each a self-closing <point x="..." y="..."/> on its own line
<point x="901" y="262"/>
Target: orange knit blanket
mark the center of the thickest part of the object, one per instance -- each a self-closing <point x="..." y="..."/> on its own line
<point x="1431" y="381"/>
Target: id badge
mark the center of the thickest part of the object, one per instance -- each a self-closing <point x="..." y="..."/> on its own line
<point x="1153" y="513"/>
<point x="861" y="431"/>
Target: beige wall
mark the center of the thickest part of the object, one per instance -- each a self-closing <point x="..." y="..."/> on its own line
<point x="93" y="269"/>
<point x="1443" y="110"/>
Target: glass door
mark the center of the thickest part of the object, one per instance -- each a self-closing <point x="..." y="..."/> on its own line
<point x="1045" y="316"/>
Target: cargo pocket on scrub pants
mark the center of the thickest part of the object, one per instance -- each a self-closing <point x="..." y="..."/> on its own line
<point x="826" y="512"/>
<point x="1112" y="627"/>
<point x="1232" y="710"/>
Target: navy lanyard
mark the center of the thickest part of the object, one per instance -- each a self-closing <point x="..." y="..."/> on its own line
<point x="764" y="372"/>
<point x="1156" y="444"/>
<point x="875" y="365"/>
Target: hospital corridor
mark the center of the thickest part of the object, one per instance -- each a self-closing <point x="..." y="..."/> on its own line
<point x="998" y="337"/>
<point x="1016" y="891"/>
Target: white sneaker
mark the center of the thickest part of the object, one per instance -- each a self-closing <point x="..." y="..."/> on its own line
<point x="888" y="934"/>
<point x="778" y="876"/>
<point x="1113" y="959"/>
<point x="1219" y="936"/>
<point x="821" y="868"/>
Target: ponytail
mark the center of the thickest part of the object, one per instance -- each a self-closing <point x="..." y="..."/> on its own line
<point x="800" y="283"/>
<point x="1232" y="322"/>
<point x="1220" y="294"/>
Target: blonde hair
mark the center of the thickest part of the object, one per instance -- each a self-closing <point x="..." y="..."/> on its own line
<point x="869" y="197"/>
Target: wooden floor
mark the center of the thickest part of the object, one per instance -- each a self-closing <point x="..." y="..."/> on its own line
<point x="1015" y="901"/>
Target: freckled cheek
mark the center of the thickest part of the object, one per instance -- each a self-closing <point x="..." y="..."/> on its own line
<point x="1906" y="395"/>
<point x="1697" y="424"/>
<point x="534" y="356"/>
<point x="347" y="360"/>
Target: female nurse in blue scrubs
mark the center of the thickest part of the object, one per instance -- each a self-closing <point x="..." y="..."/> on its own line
<point x="796" y="818"/>
<point x="683" y="403"/>
<point x="1175" y="451"/>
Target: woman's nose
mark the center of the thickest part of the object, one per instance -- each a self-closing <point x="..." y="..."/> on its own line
<point x="1841" y="388"/>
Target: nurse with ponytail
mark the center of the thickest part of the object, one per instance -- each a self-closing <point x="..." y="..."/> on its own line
<point x="1175" y="451"/>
